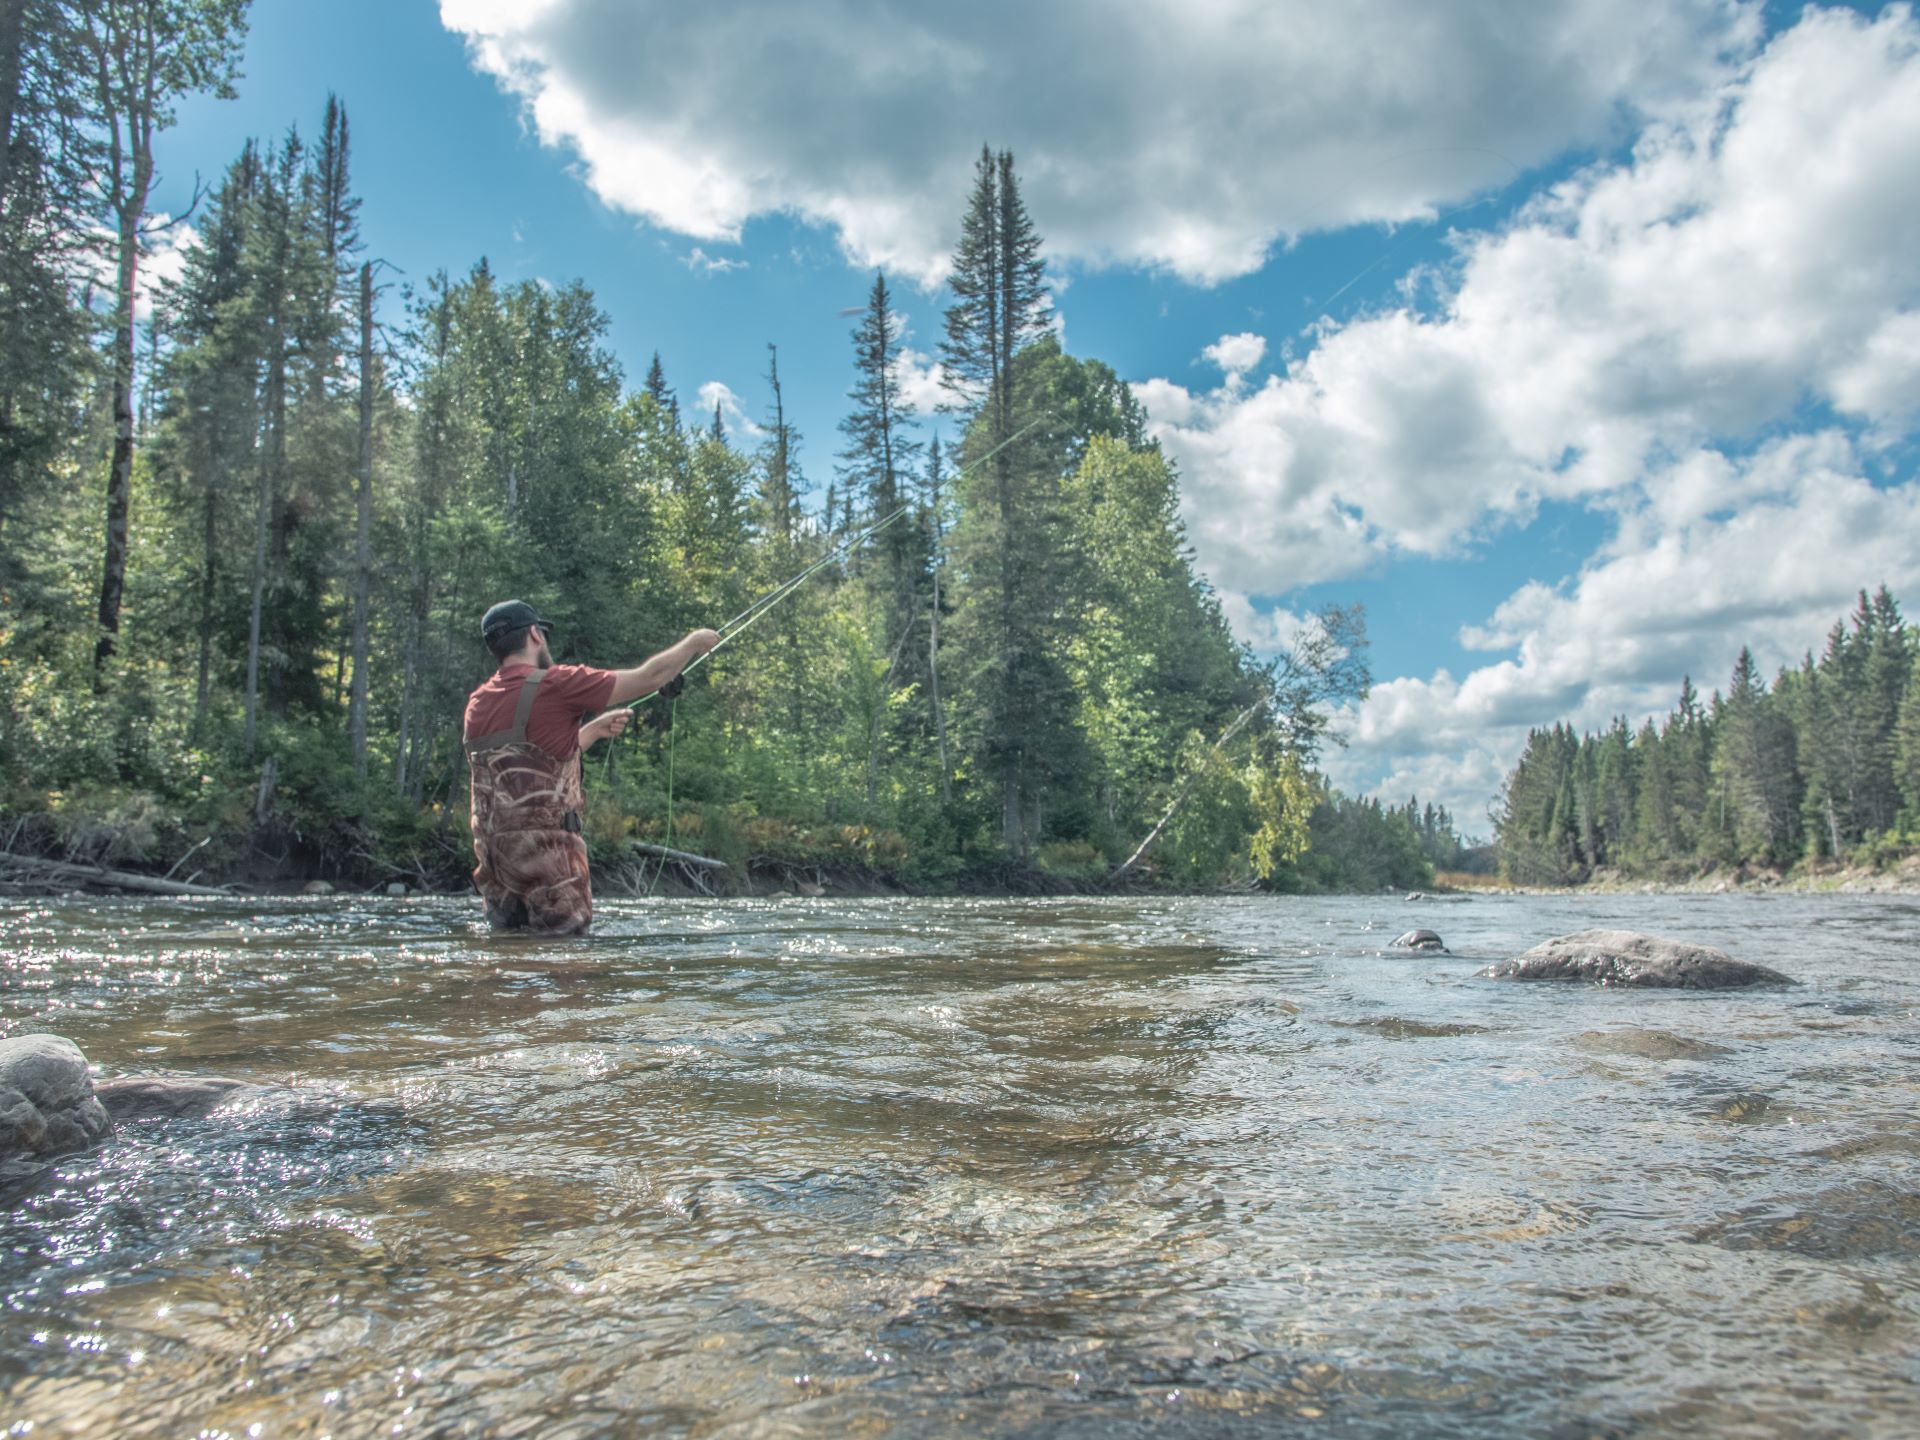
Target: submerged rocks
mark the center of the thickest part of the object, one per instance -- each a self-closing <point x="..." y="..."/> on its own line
<point x="1417" y="940"/>
<point x="1861" y="1221"/>
<point x="1623" y="957"/>
<point x="146" y="1097"/>
<point x="1744" y="1108"/>
<point x="47" y="1104"/>
<point x="1394" y="1027"/>
<point x="1647" y="1044"/>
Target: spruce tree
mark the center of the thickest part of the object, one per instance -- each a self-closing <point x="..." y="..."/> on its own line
<point x="662" y="395"/>
<point x="1906" y="750"/>
<point x="210" y="426"/>
<point x="1655" y="836"/>
<point x="1754" y="762"/>
<point x="1890" y="658"/>
<point x="880" y="452"/>
<point x="47" y="159"/>
<point x="1686" y="748"/>
<point x="1010" y="540"/>
<point x="339" y="207"/>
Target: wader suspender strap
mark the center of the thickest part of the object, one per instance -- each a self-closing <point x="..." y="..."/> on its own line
<point x="518" y="734"/>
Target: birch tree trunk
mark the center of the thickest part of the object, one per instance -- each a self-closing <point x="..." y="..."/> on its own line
<point x="275" y="449"/>
<point x="363" y="552"/>
<point x="129" y="178"/>
<point x="208" y="578"/>
<point x="933" y="685"/>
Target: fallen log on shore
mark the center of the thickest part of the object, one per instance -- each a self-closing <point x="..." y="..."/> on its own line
<point x="116" y="879"/>
<point x="682" y="856"/>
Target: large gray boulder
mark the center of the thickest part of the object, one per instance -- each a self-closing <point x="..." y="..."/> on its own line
<point x="47" y="1104"/>
<point x="1623" y="957"/>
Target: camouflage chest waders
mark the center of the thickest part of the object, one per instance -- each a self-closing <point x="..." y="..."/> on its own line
<point x="532" y="869"/>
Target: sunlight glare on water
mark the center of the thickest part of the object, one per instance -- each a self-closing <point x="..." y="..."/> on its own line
<point x="957" y="1167"/>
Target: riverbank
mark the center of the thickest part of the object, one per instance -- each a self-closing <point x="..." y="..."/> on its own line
<point x="640" y="874"/>
<point x="1899" y="876"/>
<point x="279" y="859"/>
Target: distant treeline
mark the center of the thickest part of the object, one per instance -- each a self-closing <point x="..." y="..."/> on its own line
<point x="245" y="542"/>
<point x="1823" y="764"/>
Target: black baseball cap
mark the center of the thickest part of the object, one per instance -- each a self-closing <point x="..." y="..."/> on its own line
<point x="510" y="615"/>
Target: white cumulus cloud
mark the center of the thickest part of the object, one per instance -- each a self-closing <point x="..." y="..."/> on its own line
<point x="1753" y="255"/>
<point x="923" y="382"/>
<point x="1189" y="137"/>
<point x="717" y="395"/>
<point x="1236" y="354"/>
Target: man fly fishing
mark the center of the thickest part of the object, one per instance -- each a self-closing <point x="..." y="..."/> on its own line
<point x="526" y="728"/>
<point x="524" y="733"/>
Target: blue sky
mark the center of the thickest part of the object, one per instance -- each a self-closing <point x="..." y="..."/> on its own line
<point x="1581" y="343"/>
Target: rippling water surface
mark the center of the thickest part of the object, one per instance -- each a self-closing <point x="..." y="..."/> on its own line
<point x="953" y="1167"/>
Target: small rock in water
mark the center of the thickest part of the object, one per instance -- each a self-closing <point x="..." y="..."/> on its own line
<point x="1750" y="1106"/>
<point x="396" y="889"/>
<point x="144" y="1097"/>
<point x="316" y="887"/>
<point x="1417" y="940"/>
<point x="1868" y="1145"/>
<point x="812" y="892"/>
<point x="1394" y="1027"/>
<point x="47" y="1104"/>
<point x="1861" y="1221"/>
<point x="1622" y="957"/>
<point x="1647" y="1044"/>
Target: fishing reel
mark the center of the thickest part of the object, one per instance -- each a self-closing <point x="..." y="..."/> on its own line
<point x="660" y="717"/>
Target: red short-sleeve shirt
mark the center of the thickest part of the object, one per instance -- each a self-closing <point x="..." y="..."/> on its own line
<point x="567" y="694"/>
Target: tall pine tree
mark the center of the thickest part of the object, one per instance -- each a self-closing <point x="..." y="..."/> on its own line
<point x="1009" y="542"/>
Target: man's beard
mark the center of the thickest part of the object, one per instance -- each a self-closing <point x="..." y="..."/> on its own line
<point x="545" y="659"/>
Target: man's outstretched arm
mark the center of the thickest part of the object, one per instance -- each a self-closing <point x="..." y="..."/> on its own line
<point x="652" y="673"/>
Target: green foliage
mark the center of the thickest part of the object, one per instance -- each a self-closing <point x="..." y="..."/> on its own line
<point x="1281" y="799"/>
<point x="1207" y="838"/>
<point x="1358" y="845"/>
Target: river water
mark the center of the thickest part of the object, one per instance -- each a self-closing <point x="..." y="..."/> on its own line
<point x="1184" y="1167"/>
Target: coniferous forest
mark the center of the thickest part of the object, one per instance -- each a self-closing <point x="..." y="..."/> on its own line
<point x="1821" y="765"/>
<point x="246" y="535"/>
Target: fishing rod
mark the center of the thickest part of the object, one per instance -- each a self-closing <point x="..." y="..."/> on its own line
<point x="739" y="623"/>
<point x="747" y="617"/>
